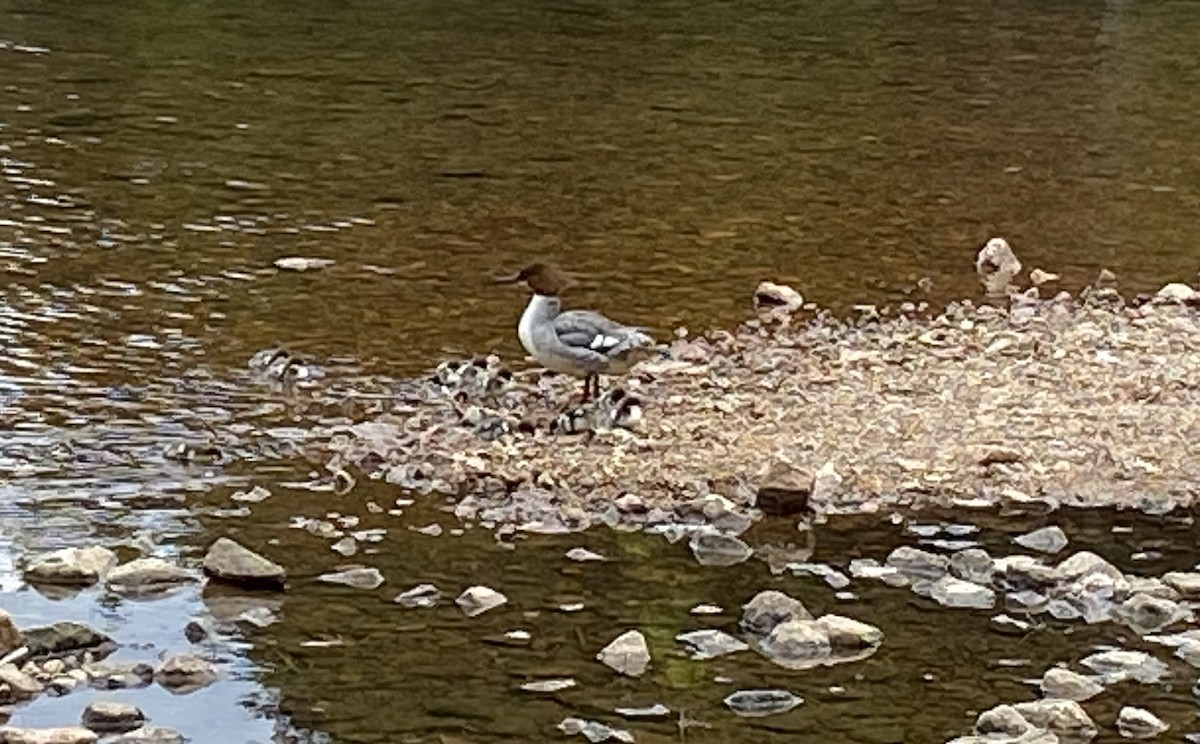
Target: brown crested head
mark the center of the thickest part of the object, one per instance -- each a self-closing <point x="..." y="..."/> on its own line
<point x="542" y="278"/>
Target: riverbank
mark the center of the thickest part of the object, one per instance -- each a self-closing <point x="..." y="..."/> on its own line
<point x="1084" y="400"/>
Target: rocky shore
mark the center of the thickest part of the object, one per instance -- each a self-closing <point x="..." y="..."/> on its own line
<point x="1035" y="397"/>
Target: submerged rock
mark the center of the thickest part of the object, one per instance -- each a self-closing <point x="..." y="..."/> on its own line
<point x="109" y="717"/>
<point x="768" y="609"/>
<point x="477" y="600"/>
<point x="230" y="562"/>
<point x="422" y="595"/>
<point x="64" y="637"/>
<point x="1067" y="685"/>
<point x="658" y="710"/>
<point x="71" y="566"/>
<point x="548" y="685"/>
<point x="593" y="731"/>
<point x="1046" y="540"/>
<point x="1139" y="723"/>
<point x="758" y="703"/>
<point x="627" y="654"/>
<point x="583" y="555"/>
<point x="358" y="577"/>
<point x="709" y="644"/>
<point x="718" y="549"/>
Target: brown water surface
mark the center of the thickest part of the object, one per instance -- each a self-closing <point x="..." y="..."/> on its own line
<point x="157" y="158"/>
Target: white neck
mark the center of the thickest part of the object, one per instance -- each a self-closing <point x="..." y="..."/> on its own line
<point x="541" y="308"/>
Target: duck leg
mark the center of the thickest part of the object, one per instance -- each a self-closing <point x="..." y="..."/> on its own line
<point x="586" y="388"/>
<point x="595" y="387"/>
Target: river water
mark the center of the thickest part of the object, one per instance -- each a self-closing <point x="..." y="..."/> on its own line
<point x="158" y="158"/>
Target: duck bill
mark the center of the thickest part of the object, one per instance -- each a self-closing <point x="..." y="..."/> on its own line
<point x="507" y="279"/>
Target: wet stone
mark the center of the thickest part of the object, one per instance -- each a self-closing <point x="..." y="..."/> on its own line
<point x="235" y="564"/>
<point x="61" y="735"/>
<point x="420" y="596"/>
<point x="583" y="555"/>
<point x="869" y="568"/>
<point x="759" y="703"/>
<point x="770" y="608"/>
<point x="917" y="563"/>
<point x="119" y="675"/>
<point x="150" y="735"/>
<point x="845" y="632"/>
<point x="830" y="575"/>
<point x="71" y="566"/>
<point x="548" y="685"/>
<point x="784" y="490"/>
<point x="1046" y="540"/>
<point x="184" y="673"/>
<point x="593" y="731"/>
<point x="972" y="564"/>
<point x="1187" y="584"/>
<point x="477" y="600"/>
<point x="16" y="685"/>
<point x="1086" y="563"/>
<point x="652" y="712"/>
<point x="147" y="576"/>
<point x="951" y="592"/>
<point x="66" y="637"/>
<point x="10" y="636"/>
<point x="1067" y="685"/>
<point x="1139" y="723"/>
<point x="709" y="644"/>
<point x="627" y="654"/>
<point x="1008" y="625"/>
<point x="1064" y="717"/>
<point x="797" y="644"/>
<point x="357" y="577"/>
<point x="110" y="717"/>
<point x="719" y="549"/>
<point x="1003" y="719"/>
<point x="1119" y="665"/>
<point x="1146" y="614"/>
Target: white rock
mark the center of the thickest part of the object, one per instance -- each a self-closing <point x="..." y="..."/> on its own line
<point x="628" y="654"/>
<point x="299" y="263"/>
<point x="62" y="735"/>
<point x="1067" y="685"/>
<point x="71" y="566"/>
<point x="583" y="555"/>
<point x="148" y="575"/>
<point x="1139" y="723"/>
<point x="845" y="632"/>
<point x="951" y="592"/>
<point x="477" y="600"/>
<point x="1177" y="292"/>
<point x="1063" y="717"/>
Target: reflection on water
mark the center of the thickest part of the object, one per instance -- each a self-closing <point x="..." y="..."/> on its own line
<point x="156" y="159"/>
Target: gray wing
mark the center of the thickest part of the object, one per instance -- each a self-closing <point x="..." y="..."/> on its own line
<point x="584" y="329"/>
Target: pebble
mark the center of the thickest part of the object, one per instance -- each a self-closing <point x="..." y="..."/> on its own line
<point x="593" y="731"/>
<point x="1046" y="540"/>
<point x="477" y="600"/>
<point x="422" y="595"/>
<point x="627" y="654"/>
<point x="759" y="703"/>
<point x="549" y="685"/>
<point x="584" y="555"/>
<point x="706" y="609"/>
<point x="1139" y="723"/>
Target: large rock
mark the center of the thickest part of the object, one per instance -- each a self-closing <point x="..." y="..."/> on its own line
<point x="68" y="735"/>
<point x="628" y="654"/>
<point x="845" y="632"/>
<point x="797" y="644"/>
<point x="770" y="608"/>
<point x="71" y="566"/>
<point x="10" y="636"/>
<point x="65" y="637"/>
<point x="185" y="673"/>
<point x="1187" y="584"/>
<point x="784" y="490"/>
<point x="1085" y="563"/>
<point x="147" y="576"/>
<point x="111" y="717"/>
<point x="1067" y="685"/>
<point x="232" y="563"/>
<point x="1146" y="614"/>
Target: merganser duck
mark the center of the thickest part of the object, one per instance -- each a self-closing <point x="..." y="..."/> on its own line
<point x="581" y="343"/>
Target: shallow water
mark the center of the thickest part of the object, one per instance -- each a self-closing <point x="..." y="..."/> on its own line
<point x="157" y="159"/>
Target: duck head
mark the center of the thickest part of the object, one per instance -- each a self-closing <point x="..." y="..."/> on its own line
<point x="541" y="278"/>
